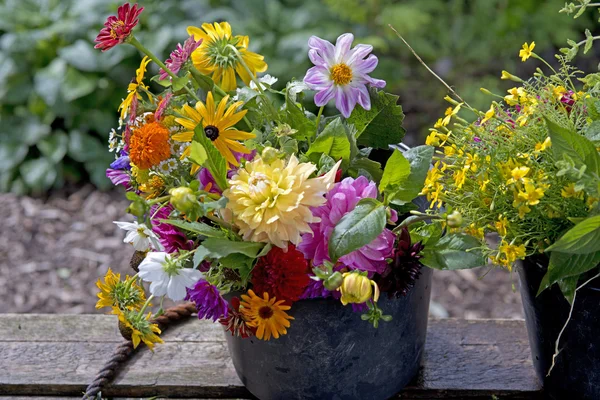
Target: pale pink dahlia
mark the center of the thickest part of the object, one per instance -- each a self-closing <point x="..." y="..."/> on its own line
<point x="341" y="73"/>
<point x="341" y="199"/>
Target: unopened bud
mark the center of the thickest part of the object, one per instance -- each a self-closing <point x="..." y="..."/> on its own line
<point x="269" y="154"/>
<point x="182" y="198"/>
<point x="454" y="220"/>
<point x="508" y="76"/>
<point x="136" y="208"/>
<point x="334" y="281"/>
<point x="357" y="288"/>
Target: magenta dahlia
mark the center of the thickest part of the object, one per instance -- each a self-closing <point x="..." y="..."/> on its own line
<point x="340" y="200"/>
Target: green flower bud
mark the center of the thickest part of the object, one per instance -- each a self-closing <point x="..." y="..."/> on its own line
<point x="183" y="199"/>
<point x="137" y="208"/>
<point x="334" y="281"/>
<point x="269" y="154"/>
<point x="454" y="220"/>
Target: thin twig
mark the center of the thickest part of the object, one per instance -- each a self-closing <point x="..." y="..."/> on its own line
<point x="556" y="349"/>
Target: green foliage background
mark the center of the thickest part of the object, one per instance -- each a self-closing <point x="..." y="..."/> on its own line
<point x="58" y="96"/>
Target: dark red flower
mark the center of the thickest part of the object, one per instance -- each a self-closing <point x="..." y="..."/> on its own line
<point x="117" y="29"/>
<point x="235" y="322"/>
<point x="284" y="275"/>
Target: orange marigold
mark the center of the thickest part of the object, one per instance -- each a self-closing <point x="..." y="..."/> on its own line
<point x="149" y="145"/>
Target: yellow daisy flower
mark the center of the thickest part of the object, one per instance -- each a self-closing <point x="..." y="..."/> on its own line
<point x="218" y="125"/>
<point x="139" y="330"/>
<point x="267" y="315"/>
<point x="114" y="292"/>
<point x="215" y="58"/>
<point x="132" y="89"/>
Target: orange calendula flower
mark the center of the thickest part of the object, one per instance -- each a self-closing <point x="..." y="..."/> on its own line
<point x="149" y="145"/>
<point x="218" y="125"/>
<point x="217" y="58"/>
<point x="267" y="315"/>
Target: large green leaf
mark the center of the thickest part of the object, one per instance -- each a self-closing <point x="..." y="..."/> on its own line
<point x="583" y="238"/>
<point x="204" y="153"/>
<point x="333" y="141"/>
<point x="196" y="227"/>
<point x="297" y="119"/>
<point x="365" y="167"/>
<point x="563" y="265"/>
<point x="39" y="174"/>
<point x="219" y="248"/>
<point x="568" y="286"/>
<point x="454" y="251"/>
<point x="11" y="154"/>
<point x="382" y="124"/>
<point x="357" y="228"/>
<point x="396" y="173"/>
<point x="48" y="81"/>
<point x="592" y="132"/>
<point x="77" y="85"/>
<point x="420" y="160"/>
<point x="580" y="149"/>
<point x="54" y="147"/>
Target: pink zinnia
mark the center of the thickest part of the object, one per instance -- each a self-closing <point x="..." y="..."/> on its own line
<point x="340" y="200"/>
<point x="117" y="29"/>
<point x="179" y="56"/>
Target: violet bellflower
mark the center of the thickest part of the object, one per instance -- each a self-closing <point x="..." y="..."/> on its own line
<point x="342" y="199"/>
<point x="341" y="73"/>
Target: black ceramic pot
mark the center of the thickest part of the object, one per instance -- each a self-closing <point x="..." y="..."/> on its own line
<point x="330" y="353"/>
<point x="576" y="374"/>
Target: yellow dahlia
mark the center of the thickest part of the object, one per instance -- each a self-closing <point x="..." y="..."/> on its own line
<point x="270" y="202"/>
<point x="218" y="126"/>
<point x="268" y="316"/>
<point x="215" y="58"/>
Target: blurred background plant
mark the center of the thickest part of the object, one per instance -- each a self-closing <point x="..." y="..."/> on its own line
<point x="58" y="96"/>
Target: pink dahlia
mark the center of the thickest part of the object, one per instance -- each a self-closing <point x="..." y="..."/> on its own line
<point x="117" y="29"/>
<point x="179" y="56"/>
<point x="340" y="200"/>
<point x="341" y="73"/>
<point x="170" y="237"/>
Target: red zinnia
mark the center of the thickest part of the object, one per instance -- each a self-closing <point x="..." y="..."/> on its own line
<point x="117" y="29"/>
<point x="283" y="275"/>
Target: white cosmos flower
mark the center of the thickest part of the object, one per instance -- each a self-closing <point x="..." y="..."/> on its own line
<point x="166" y="276"/>
<point x="140" y="236"/>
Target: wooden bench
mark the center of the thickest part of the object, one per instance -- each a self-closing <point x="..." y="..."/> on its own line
<point x="58" y="355"/>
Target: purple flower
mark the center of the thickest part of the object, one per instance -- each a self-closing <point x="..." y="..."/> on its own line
<point x="316" y="290"/>
<point x="121" y="163"/>
<point x="170" y="237"/>
<point x="179" y="56"/>
<point x="341" y="73"/>
<point x="119" y="177"/>
<point x="341" y="199"/>
<point x="209" y="302"/>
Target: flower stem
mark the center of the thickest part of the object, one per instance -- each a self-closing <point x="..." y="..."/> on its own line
<point x="159" y="199"/>
<point x="272" y="109"/>
<point x="416" y="218"/>
<point x="135" y="43"/>
<point x="221" y="222"/>
<point x="146" y="304"/>
<point x="319" y="117"/>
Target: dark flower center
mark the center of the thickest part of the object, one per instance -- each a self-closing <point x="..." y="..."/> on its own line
<point x="265" y="312"/>
<point x="211" y="132"/>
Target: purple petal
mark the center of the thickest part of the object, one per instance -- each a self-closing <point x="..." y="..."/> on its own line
<point x="376" y="83"/>
<point x="363" y="96"/>
<point x="366" y="66"/>
<point x="324" y="96"/>
<point x="121" y="163"/>
<point x="345" y="100"/>
<point x="325" y="48"/>
<point x="315" y="58"/>
<point x="342" y="46"/>
<point x="317" y="78"/>
<point x="359" y="52"/>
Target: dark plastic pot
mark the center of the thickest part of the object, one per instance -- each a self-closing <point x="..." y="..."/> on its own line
<point x="576" y="374"/>
<point x="330" y="353"/>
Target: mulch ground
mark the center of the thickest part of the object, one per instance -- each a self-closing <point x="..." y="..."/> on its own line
<point x="53" y="250"/>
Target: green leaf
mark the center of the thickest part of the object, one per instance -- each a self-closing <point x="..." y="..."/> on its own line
<point x="38" y="174"/>
<point x="568" y="286"/>
<point x="357" y="228"/>
<point x="219" y="248"/>
<point x="179" y="83"/>
<point x="297" y="119"/>
<point x="426" y="233"/>
<point x="196" y="227"/>
<point x="420" y="160"/>
<point x="382" y="124"/>
<point x="48" y="81"/>
<point x="288" y="145"/>
<point x="367" y="167"/>
<point x="592" y="133"/>
<point x="574" y="145"/>
<point x="11" y="154"/>
<point x="333" y="141"/>
<point x="583" y="238"/>
<point x="204" y="153"/>
<point x="454" y="251"/>
<point x="77" y="85"/>
<point x="205" y="82"/>
<point x="54" y="147"/>
<point x="563" y="265"/>
<point x="240" y="263"/>
<point x="396" y="172"/>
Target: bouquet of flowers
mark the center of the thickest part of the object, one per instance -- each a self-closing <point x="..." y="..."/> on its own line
<point x="246" y="202"/>
<point x="528" y="170"/>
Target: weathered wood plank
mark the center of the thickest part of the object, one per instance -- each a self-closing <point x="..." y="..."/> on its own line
<point x="59" y="355"/>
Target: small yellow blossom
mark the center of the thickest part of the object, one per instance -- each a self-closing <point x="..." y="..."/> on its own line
<point x="489" y="114"/>
<point x="526" y="51"/>
<point x="539" y="147"/>
<point x="501" y="226"/>
<point x="569" y="191"/>
<point x="460" y="176"/>
<point x="357" y="288"/>
<point x="450" y="112"/>
<point x="531" y="195"/>
<point x="558" y="92"/>
<point x="475" y="231"/>
<point x="518" y="174"/>
<point x="508" y="253"/>
<point x="436" y="138"/>
<point x="132" y="89"/>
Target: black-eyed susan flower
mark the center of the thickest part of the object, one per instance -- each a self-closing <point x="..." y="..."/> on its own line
<point x="216" y="58"/>
<point x="122" y="294"/>
<point x="218" y="123"/>
<point x="138" y="328"/>
<point x="268" y="316"/>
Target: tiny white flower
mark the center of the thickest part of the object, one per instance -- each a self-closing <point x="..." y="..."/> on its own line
<point x="140" y="236"/>
<point x="267" y="79"/>
<point x="166" y="276"/>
